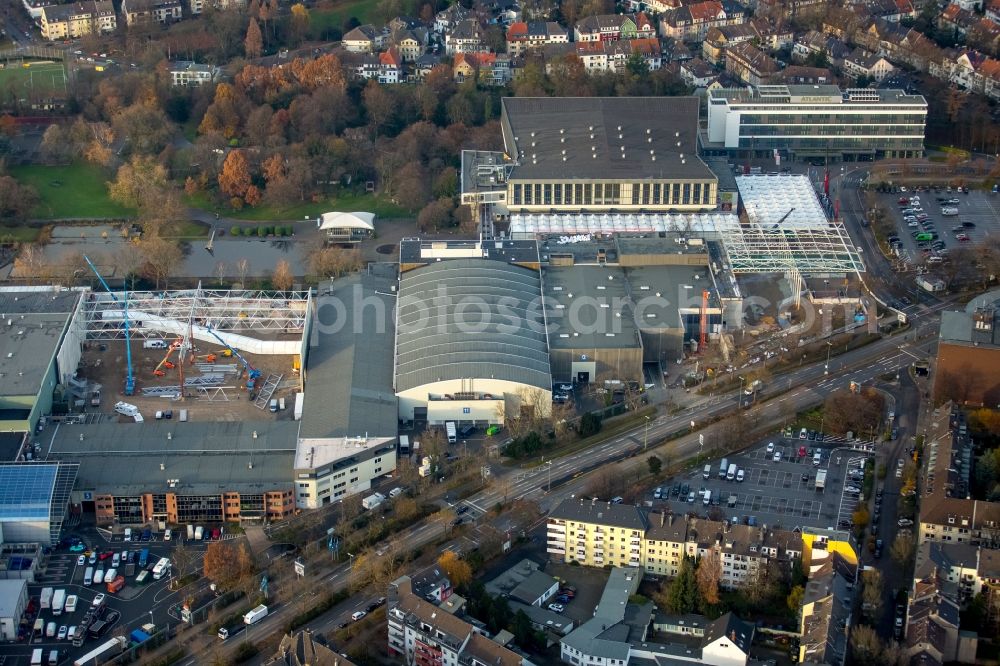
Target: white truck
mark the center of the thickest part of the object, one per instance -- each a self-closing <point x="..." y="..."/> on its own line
<point x="126" y="409"/>
<point x="46" y="598"/>
<point x="199" y="532"/>
<point x="753" y="387"/>
<point x="373" y="501"/>
<point x="190" y="532"/>
<point x="452" y="432"/>
<point x="300" y="402"/>
<point x="254" y="616"/>
<point x="820" y="479"/>
<point x="58" y="602"/>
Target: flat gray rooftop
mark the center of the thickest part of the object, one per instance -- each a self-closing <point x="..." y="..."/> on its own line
<point x="205" y="458"/>
<point x="30" y="340"/>
<point x="587" y="307"/>
<point x="348" y="388"/>
<point x="420" y="251"/>
<point x="590" y="132"/>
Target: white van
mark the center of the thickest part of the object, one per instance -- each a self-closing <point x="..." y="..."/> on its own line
<point x="731" y="473"/>
<point x="707" y="472"/>
<point x="88" y="576"/>
<point x="817" y="459"/>
<point x="395" y="492"/>
<point x="452" y="432"/>
<point x="708" y="498"/>
<point x="128" y="534"/>
<point x="740" y="475"/>
<point x="274" y="405"/>
<point x="154" y="344"/>
<point x="98" y="576"/>
<point x="723" y="466"/>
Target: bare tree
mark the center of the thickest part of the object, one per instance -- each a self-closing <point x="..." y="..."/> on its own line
<point x="220" y="270"/>
<point x="242" y="268"/>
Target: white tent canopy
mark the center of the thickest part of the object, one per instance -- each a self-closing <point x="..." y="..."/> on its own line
<point x="357" y="220"/>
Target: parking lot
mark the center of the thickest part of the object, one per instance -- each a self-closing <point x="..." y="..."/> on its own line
<point x="977" y="218"/>
<point x="776" y="493"/>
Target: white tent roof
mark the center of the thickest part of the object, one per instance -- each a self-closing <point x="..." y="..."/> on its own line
<point x="347" y="220"/>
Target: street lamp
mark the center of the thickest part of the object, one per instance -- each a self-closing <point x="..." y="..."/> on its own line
<point x="645" y="434"/>
<point x="826" y="368"/>
<point x="549" y="486"/>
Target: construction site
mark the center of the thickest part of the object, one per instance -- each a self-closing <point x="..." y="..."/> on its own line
<point x="216" y="355"/>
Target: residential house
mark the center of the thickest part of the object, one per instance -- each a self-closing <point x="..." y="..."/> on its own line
<point x="77" y="19"/>
<point x="610" y="56"/>
<point x="504" y="12"/>
<point x="423" y="65"/>
<point x="665" y="540"/>
<point x="773" y="35"/>
<point x="825" y="611"/>
<point x="788" y="9"/>
<point x="363" y="39"/>
<point x="692" y="22"/>
<point x="813" y="42"/>
<point x="446" y="19"/>
<point x="957" y="20"/>
<point x="187" y="73"/>
<point x="872" y="66"/>
<point x="893" y="11"/>
<point x="657" y="6"/>
<point x="717" y="39"/>
<point x="596" y="534"/>
<point x="409" y="37"/>
<point x="302" y="649"/>
<point x="932" y="627"/>
<point x="968" y="5"/>
<point x="802" y="75"/>
<point x="522" y="35"/>
<point x="420" y="633"/>
<point x="473" y="65"/>
<point x="466" y="37"/>
<point x="750" y="65"/>
<point x="698" y="73"/>
<point x="390" y="66"/>
<point x="198" y="6"/>
<point x="139" y="12"/>
<point x="993" y="10"/>
<point x="612" y="27"/>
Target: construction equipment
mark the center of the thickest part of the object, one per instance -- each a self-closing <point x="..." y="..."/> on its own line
<point x="166" y="363"/>
<point x="129" y="378"/>
<point x="252" y="373"/>
<point x="204" y="358"/>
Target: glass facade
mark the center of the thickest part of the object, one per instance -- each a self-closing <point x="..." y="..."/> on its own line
<point x="612" y="194"/>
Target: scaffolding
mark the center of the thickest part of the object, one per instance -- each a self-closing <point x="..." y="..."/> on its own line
<point x="825" y="248"/>
<point x="224" y="310"/>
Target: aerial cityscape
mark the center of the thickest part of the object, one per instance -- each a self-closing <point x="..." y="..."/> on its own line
<point x="499" y="332"/>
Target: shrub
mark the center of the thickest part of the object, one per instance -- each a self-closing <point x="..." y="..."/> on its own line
<point x="261" y="231"/>
<point x="289" y="230"/>
<point x="245" y="652"/>
<point x="236" y="230"/>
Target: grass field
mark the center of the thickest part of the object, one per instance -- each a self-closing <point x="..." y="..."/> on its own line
<point x="37" y="81"/>
<point x="263" y="213"/>
<point x="77" y="191"/>
<point x="331" y="15"/>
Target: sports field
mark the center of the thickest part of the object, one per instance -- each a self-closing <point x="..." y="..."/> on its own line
<point x="38" y="80"/>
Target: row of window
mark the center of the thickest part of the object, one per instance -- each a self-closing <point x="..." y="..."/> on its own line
<point x="612" y="194"/>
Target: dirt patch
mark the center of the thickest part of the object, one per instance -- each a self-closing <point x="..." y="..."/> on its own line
<point x="105" y="363"/>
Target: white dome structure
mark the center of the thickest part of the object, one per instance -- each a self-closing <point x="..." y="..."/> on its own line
<point x="347" y="227"/>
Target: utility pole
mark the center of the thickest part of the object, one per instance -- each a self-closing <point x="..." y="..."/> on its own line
<point x="645" y="434"/>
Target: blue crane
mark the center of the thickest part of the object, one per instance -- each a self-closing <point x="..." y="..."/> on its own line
<point x="129" y="378"/>
<point x="252" y="372"/>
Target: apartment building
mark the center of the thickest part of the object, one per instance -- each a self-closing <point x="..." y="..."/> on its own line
<point x="691" y="22"/>
<point x="78" y="19"/>
<point x="611" y="27"/>
<point x="600" y="533"/>
<point x="749" y="64"/>
<point x="138" y="12"/>
<point x="422" y="634"/>
<point x="187" y="73"/>
<point x="525" y="35"/>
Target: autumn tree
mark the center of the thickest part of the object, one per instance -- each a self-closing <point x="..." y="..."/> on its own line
<point x="708" y="576"/>
<point x="871" y="594"/>
<point x="227" y="565"/>
<point x="235" y="179"/>
<point x="161" y="258"/>
<point x="253" y="43"/>
<point x="794" y="599"/>
<point x="300" y="21"/>
<point x="457" y="570"/>
<point x="865" y="645"/>
<point x="282" y="278"/>
<point x="56" y="145"/>
<point x="902" y="548"/>
<point x="146" y="125"/>
<point x="858" y="412"/>
<point x="30" y="263"/>
<point x="139" y="183"/>
<point x="16" y="200"/>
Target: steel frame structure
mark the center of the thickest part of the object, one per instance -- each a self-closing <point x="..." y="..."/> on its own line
<point x="823" y="248"/>
<point x="224" y="310"/>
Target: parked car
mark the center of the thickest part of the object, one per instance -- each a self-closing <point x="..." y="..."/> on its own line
<point x="556" y="608"/>
<point x="904" y="522"/>
<point x="357" y="615"/>
<point x="81" y="561"/>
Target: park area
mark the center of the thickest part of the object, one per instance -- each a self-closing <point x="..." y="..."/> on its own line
<point x="32" y="81"/>
<point x="327" y="16"/>
<point x="75" y="191"/>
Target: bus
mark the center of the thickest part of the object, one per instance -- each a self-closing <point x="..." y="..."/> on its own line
<point x="143" y="558"/>
<point x="162" y="567"/>
<point x="142" y="578"/>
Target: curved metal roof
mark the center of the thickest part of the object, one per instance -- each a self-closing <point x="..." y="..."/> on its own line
<point x="470" y="319"/>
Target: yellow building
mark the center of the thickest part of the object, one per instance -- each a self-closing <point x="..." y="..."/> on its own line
<point x="603" y="154"/>
<point x="78" y="19"/>
<point x="596" y="533"/>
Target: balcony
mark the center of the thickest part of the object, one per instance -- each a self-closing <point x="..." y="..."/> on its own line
<point x="556" y="527"/>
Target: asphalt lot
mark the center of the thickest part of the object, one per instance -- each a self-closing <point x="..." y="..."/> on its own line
<point x="979" y="208"/>
<point x="775" y="493"/>
<point x="130" y="608"/>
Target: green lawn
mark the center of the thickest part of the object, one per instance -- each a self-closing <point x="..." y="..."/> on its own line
<point x="19" y="234"/>
<point x="381" y="206"/>
<point x="332" y="15"/>
<point x="70" y="192"/>
<point x="181" y="229"/>
<point x="38" y="80"/>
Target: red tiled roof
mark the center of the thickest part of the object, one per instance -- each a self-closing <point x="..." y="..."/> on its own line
<point x="705" y="11"/>
<point x="390" y="57"/>
<point x="517" y="30"/>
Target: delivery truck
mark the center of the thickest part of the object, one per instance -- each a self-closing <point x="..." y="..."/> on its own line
<point x="256" y="615"/>
<point x="452" y="432"/>
<point x="46" y="598"/>
<point x="58" y="602"/>
<point x="820" y="479"/>
<point x="373" y="501"/>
